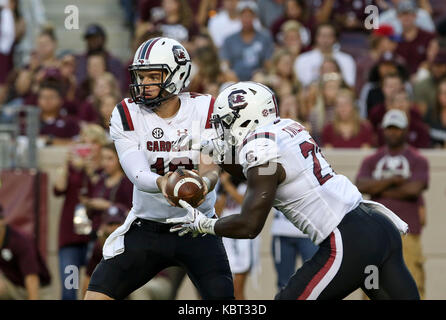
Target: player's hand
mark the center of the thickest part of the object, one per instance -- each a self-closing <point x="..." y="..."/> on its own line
<point x="194" y="221"/>
<point x="162" y="182"/>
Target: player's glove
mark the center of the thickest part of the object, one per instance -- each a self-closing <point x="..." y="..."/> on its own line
<point x="194" y="221"/>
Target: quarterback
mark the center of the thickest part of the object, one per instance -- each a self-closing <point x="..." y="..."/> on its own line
<point x="144" y="129"/>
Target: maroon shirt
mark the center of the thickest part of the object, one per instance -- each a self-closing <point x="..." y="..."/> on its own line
<point x="418" y="135"/>
<point x="61" y="127"/>
<point x="20" y="257"/>
<point x="88" y="113"/>
<point x="76" y="181"/>
<point x="365" y="136"/>
<point x="121" y="194"/>
<point x="409" y="164"/>
<point x="414" y="52"/>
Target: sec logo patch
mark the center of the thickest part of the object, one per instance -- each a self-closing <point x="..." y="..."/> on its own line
<point x="157" y="133"/>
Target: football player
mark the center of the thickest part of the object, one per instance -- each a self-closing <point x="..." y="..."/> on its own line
<point x="285" y="169"/>
<point x="144" y="129"/>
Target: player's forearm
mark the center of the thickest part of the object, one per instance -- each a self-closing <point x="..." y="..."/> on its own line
<point x="210" y="176"/>
<point x="236" y="226"/>
<point x="373" y="187"/>
<point x="32" y="284"/>
<point x="408" y="191"/>
<point x="136" y="167"/>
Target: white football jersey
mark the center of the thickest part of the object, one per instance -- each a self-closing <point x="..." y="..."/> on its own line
<point x="312" y="196"/>
<point x="135" y="128"/>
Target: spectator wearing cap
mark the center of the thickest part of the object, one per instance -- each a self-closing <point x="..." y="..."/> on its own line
<point x="290" y="38"/>
<point x="415" y="41"/>
<point x="418" y="131"/>
<point x="378" y="89"/>
<point x="95" y="40"/>
<point x="249" y="50"/>
<point x="307" y="65"/>
<point x="396" y="175"/>
<point x="425" y="91"/>
<point x="295" y="10"/>
<point x="391" y="16"/>
<point x="24" y="274"/>
<point x="436" y="117"/>
<point x="227" y="22"/>
<point x="55" y="128"/>
<point x="381" y="41"/>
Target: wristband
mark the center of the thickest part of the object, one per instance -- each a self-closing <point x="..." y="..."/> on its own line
<point x="206" y="225"/>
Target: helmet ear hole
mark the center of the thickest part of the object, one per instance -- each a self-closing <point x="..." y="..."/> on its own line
<point x="182" y="75"/>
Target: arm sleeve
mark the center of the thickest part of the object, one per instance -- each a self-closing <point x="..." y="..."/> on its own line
<point x="133" y="160"/>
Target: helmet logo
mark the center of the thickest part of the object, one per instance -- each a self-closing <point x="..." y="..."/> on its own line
<point x="179" y="54"/>
<point x="236" y="100"/>
<point x="140" y="61"/>
<point x="265" y="112"/>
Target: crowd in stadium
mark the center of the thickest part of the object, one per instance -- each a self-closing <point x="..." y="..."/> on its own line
<point x="328" y="70"/>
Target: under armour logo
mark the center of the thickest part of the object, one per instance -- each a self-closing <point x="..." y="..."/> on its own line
<point x="181" y="132"/>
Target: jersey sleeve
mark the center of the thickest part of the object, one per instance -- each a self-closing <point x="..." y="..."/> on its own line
<point x="122" y="130"/>
<point x="259" y="149"/>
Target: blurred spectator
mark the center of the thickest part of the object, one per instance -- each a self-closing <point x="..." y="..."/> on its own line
<point x="248" y="50"/>
<point x="287" y="244"/>
<point x="415" y="41"/>
<point x="418" y="134"/>
<point x="209" y="76"/>
<point x="391" y="16"/>
<point x="425" y="91"/>
<point x="382" y="41"/>
<point x="436" y="117"/>
<point x="385" y="78"/>
<point x="347" y="130"/>
<point x="178" y="22"/>
<point x="95" y="40"/>
<point x="111" y="219"/>
<point x="307" y="65"/>
<point x="104" y="85"/>
<point x="96" y="67"/>
<point x="289" y="38"/>
<point x="106" y="106"/>
<point x="431" y="53"/>
<point x="129" y="7"/>
<point x="396" y="175"/>
<point x="12" y="28"/>
<point x="280" y="77"/>
<point x="112" y="189"/>
<point x="54" y="127"/>
<point x="24" y="274"/>
<point x="227" y="22"/>
<point x="75" y="178"/>
<point x="149" y="10"/>
<point x="270" y="11"/>
<point x="43" y="57"/>
<point x="320" y="102"/>
<point x="243" y="254"/>
<point x="295" y="10"/>
<point x="67" y="68"/>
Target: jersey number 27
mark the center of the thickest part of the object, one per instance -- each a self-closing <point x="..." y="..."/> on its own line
<point x="306" y="148"/>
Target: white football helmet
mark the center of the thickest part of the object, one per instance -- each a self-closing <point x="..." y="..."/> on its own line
<point x="160" y="54"/>
<point x="239" y="110"/>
